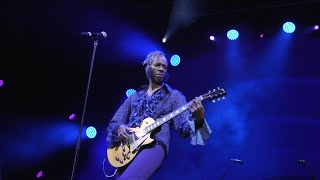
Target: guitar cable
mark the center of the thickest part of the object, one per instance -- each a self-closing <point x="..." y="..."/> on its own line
<point x="107" y="176"/>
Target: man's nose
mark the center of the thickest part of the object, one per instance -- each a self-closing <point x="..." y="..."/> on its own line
<point x="161" y="69"/>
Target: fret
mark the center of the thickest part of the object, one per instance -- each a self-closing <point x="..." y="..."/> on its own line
<point x="159" y="122"/>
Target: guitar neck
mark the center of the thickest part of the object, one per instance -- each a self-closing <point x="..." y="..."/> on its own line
<point x="166" y="118"/>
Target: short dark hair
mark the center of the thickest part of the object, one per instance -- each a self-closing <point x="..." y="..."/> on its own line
<point x="151" y="57"/>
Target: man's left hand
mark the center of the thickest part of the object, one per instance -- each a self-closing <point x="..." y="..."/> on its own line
<point x="197" y="111"/>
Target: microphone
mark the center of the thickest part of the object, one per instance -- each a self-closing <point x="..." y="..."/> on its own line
<point x="301" y="161"/>
<point x="237" y="161"/>
<point x="96" y="36"/>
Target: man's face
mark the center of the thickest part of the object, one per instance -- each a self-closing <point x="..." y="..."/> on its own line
<point x="157" y="70"/>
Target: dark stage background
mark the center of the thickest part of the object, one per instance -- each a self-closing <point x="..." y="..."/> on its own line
<point x="269" y="119"/>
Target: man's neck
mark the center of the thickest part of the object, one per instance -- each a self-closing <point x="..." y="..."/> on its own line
<point x="153" y="87"/>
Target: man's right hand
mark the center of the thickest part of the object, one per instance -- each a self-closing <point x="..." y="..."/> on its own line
<point x="123" y="133"/>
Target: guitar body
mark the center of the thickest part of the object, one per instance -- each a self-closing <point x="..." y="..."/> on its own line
<point x="122" y="154"/>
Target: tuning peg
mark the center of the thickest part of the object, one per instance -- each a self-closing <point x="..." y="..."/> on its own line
<point x="223" y="97"/>
<point x="213" y="101"/>
<point x="218" y="99"/>
<point x="214" y="90"/>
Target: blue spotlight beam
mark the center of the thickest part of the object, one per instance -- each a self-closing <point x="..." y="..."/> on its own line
<point x="91" y="132"/>
<point x="289" y="27"/>
<point x="129" y="92"/>
<point x="175" y="60"/>
<point x="232" y="34"/>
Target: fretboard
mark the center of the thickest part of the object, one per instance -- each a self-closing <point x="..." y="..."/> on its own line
<point x="164" y="119"/>
<point x="212" y="95"/>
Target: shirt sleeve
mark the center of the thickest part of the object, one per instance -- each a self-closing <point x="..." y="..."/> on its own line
<point x="184" y="123"/>
<point x="120" y="117"/>
<point x="201" y="134"/>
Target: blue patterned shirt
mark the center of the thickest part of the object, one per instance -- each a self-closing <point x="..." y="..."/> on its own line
<point x="139" y="106"/>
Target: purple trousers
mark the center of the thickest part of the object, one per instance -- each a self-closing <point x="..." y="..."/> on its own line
<point x="144" y="165"/>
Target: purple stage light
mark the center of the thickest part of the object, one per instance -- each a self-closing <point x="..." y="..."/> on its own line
<point x="261" y="35"/>
<point x="212" y="38"/>
<point x="40" y="174"/>
<point x="72" y="116"/>
<point x="1" y="83"/>
<point x="315" y="27"/>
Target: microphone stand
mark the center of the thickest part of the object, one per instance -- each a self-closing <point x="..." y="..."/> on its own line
<point x="95" y="44"/>
<point x="227" y="171"/>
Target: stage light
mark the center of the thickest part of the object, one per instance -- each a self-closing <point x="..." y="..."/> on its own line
<point x="315" y="27"/>
<point x="211" y="38"/>
<point x="72" y="116"/>
<point x="1" y="83"/>
<point x="288" y="27"/>
<point x="129" y="92"/>
<point x="91" y="132"/>
<point x="261" y="35"/>
<point x="232" y="34"/>
<point x="175" y="60"/>
<point x="164" y="40"/>
<point x="39" y="174"/>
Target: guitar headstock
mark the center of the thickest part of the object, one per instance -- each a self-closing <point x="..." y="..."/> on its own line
<point x="215" y="94"/>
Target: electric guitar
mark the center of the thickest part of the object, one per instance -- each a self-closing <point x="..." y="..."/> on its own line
<point x="124" y="152"/>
